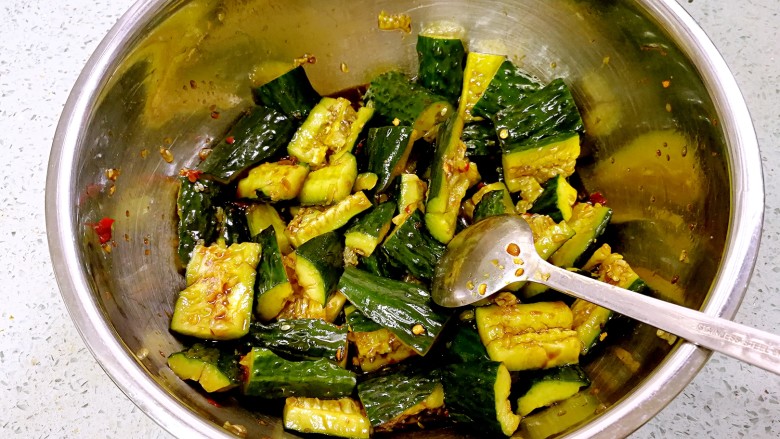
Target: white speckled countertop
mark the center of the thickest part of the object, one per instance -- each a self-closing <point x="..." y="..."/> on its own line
<point x="51" y="385"/>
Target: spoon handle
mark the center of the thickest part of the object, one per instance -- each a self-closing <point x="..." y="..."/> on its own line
<point x="744" y="343"/>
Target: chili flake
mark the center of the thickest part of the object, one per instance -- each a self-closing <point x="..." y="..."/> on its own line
<point x="103" y="229"/>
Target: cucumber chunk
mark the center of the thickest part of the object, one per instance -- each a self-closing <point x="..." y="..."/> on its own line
<point x="400" y="398"/>
<point x="215" y="370"/>
<point x="411" y="194"/>
<point x="480" y="70"/>
<point x="560" y="417"/>
<point x="270" y="376"/>
<point x="330" y="129"/>
<point x="405" y="309"/>
<point x="551" y="386"/>
<point x="394" y="96"/>
<point x="370" y="229"/>
<point x="477" y="392"/>
<point x="547" y="113"/>
<point x="589" y="223"/>
<point x="548" y="158"/>
<point x="529" y="336"/>
<point x="548" y="236"/>
<point x="466" y="345"/>
<point x="307" y="339"/>
<point x="378" y="348"/>
<point x="341" y="417"/>
<point x="412" y="247"/>
<point x="441" y="60"/>
<point x="272" y="287"/>
<point x="507" y="87"/>
<point x="291" y="93"/>
<point x="273" y="181"/>
<point x="590" y="319"/>
<point x="451" y="176"/>
<point x="259" y="134"/>
<point x="217" y="302"/>
<point x="311" y="221"/>
<point x="556" y="200"/>
<point x="261" y="215"/>
<point x="331" y="183"/>
<point x="388" y="150"/>
<point x="494" y="203"/>
<point x="365" y="181"/>
<point x="480" y="139"/>
<point x="319" y="263"/>
<point x="232" y="225"/>
<point x="196" y="206"/>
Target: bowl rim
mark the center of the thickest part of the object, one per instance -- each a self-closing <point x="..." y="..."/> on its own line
<point x="648" y="398"/>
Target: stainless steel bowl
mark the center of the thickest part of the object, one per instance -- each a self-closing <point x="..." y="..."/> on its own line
<point x="670" y="144"/>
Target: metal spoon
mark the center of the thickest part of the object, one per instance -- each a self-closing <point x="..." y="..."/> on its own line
<point x="499" y="250"/>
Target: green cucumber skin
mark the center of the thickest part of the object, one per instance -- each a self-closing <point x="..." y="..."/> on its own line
<point x="196" y="205"/>
<point x="449" y="132"/>
<point x="378" y="263"/>
<point x="529" y="381"/>
<point x="441" y="62"/>
<point x="571" y="373"/>
<point x="386" y="147"/>
<point x="270" y="269"/>
<point x="259" y="134"/>
<point x="480" y="139"/>
<point x="326" y="253"/>
<point x="225" y="360"/>
<point x="411" y="246"/>
<point x="374" y="219"/>
<point x="291" y="93"/>
<point x="573" y="255"/>
<point x="466" y="346"/>
<point x="398" y="306"/>
<point x="492" y="204"/>
<point x="358" y="322"/>
<point x="394" y="96"/>
<point x="508" y="86"/>
<point x="386" y="397"/>
<point x="234" y="227"/>
<point x="308" y="339"/>
<point x="468" y="394"/>
<point x="602" y="316"/>
<point x="547" y="203"/>
<point x="270" y="376"/>
<point x="546" y="114"/>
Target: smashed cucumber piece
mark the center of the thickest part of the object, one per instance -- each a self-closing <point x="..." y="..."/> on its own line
<point x="273" y="181"/>
<point x="215" y="370"/>
<point x="341" y="417"/>
<point x="217" y="302"/>
<point x="330" y="129"/>
<point x="312" y="221"/>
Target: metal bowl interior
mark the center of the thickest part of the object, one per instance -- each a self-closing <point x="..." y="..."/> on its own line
<point x="669" y="143"/>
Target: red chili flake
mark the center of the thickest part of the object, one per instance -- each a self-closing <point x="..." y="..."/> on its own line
<point x="215" y="114"/>
<point x="466" y="168"/>
<point x="212" y="402"/>
<point x="597" y="198"/>
<point x="103" y="229"/>
<point x="480" y="185"/>
<point x="230" y="140"/>
<point x="191" y="174"/>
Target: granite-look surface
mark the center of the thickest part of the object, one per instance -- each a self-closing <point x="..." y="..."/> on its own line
<point x="51" y="385"/>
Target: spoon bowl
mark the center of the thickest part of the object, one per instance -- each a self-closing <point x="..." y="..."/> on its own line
<point x="499" y="251"/>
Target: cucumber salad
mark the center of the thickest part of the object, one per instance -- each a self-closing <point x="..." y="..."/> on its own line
<point x="311" y="231"/>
